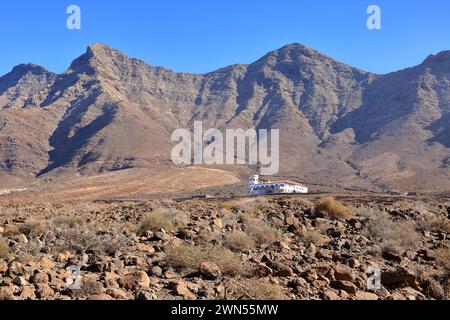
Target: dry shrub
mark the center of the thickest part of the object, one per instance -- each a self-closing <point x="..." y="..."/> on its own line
<point x="228" y="263"/>
<point x="199" y="203"/>
<point x="253" y="204"/>
<point x="442" y="257"/>
<point x="334" y="209"/>
<point x="129" y="226"/>
<point x="367" y="212"/>
<point x="86" y="238"/>
<point x="391" y="247"/>
<point x="167" y="219"/>
<point x="228" y="205"/>
<point x="433" y="222"/>
<point x="91" y="287"/>
<point x="207" y="236"/>
<point x="322" y="226"/>
<point x="32" y="228"/>
<point x="67" y="222"/>
<point x="261" y="232"/>
<point x="229" y="219"/>
<point x="393" y="235"/>
<point x="28" y="252"/>
<point x="188" y="259"/>
<point x="255" y="289"/>
<point x="239" y="242"/>
<point x="5" y="251"/>
<point x="12" y="230"/>
<point x="315" y="237"/>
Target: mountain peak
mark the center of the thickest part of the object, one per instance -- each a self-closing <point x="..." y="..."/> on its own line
<point x="101" y="50"/>
<point x="295" y="50"/>
<point x="24" y="71"/>
<point x="97" y="55"/>
<point x="25" y="68"/>
<point x="297" y="47"/>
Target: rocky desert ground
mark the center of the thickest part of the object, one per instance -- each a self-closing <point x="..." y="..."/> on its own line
<point x="280" y="247"/>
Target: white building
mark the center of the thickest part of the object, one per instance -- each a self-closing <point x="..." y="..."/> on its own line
<point x="257" y="187"/>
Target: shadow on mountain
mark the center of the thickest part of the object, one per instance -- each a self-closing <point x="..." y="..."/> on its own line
<point x="441" y="131"/>
<point x="66" y="145"/>
<point x="386" y="100"/>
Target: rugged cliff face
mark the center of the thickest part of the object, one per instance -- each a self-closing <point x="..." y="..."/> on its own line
<point x="339" y="125"/>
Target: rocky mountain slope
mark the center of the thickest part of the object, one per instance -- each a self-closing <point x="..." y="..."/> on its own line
<point x="339" y="125"/>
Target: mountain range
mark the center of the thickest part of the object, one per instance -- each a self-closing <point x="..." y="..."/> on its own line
<point x="339" y="126"/>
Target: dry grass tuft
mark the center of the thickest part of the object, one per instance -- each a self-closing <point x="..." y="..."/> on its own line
<point x="188" y="259"/>
<point x="5" y="251"/>
<point x="12" y="230"/>
<point x="26" y="253"/>
<point x="392" y="235"/>
<point x="167" y="219"/>
<point x="261" y="232"/>
<point x="433" y="222"/>
<point x="227" y="205"/>
<point x="86" y="238"/>
<point x="322" y="226"/>
<point x="239" y="242"/>
<point x="32" y="228"/>
<point x="442" y="257"/>
<point x="315" y="237"/>
<point x="367" y="212"/>
<point x="256" y="289"/>
<point x="334" y="209"/>
<point x="67" y="222"/>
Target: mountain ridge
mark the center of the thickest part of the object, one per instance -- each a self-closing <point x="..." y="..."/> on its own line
<point x="109" y="111"/>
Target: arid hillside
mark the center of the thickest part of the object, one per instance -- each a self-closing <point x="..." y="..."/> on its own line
<point x="304" y="247"/>
<point x="340" y="126"/>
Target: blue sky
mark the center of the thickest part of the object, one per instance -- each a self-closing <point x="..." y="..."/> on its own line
<point x="200" y="36"/>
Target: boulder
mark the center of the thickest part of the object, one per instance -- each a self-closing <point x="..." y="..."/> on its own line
<point x="99" y="297"/>
<point x="330" y="295"/>
<point x="181" y="289"/>
<point x="27" y="293"/>
<point x="209" y="270"/>
<point x="3" y="266"/>
<point x="7" y="293"/>
<point x="46" y="263"/>
<point x="401" y="275"/>
<point x="19" y="281"/>
<point x="284" y="271"/>
<point x="117" y="294"/>
<point x="134" y="280"/>
<point x="347" y="286"/>
<point x="156" y="271"/>
<point x="15" y="268"/>
<point x="63" y="257"/>
<point x="22" y="239"/>
<point x="262" y="271"/>
<point x="43" y="291"/>
<point x="145" y="248"/>
<point x="144" y="296"/>
<point x="343" y="272"/>
<point x="39" y="277"/>
<point x="362" y="295"/>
